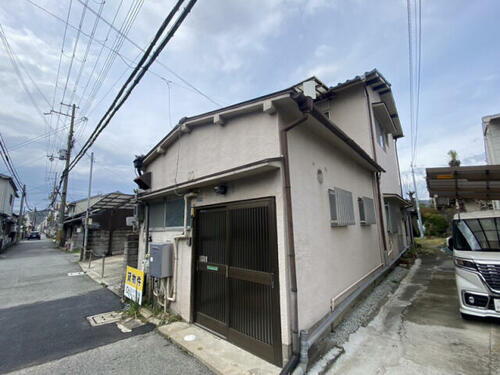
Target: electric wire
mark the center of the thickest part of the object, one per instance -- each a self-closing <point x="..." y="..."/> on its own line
<point x="138" y="74"/>
<point x="125" y="59"/>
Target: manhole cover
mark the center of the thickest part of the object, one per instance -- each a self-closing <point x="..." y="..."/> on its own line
<point x="76" y="273"/>
<point x="105" y="318"/>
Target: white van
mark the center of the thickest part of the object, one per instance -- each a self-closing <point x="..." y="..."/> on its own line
<point x="476" y="252"/>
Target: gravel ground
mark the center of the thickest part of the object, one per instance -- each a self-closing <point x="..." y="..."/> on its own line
<point x="364" y="312"/>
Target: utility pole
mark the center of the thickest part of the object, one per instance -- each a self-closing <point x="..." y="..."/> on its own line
<point x="419" y="216"/>
<point x="85" y="236"/>
<point x="34" y="220"/>
<point x="21" y="213"/>
<point x="65" y="175"/>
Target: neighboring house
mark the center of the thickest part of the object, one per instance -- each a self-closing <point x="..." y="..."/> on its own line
<point x="108" y="228"/>
<point x="491" y="133"/>
<point x="278" y="208"/>
<point x="8" y="223"/>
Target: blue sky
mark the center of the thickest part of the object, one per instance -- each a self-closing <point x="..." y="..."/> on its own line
<point x="235" y="50"/>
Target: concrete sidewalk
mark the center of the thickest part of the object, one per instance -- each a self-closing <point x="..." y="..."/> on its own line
<point x="113" y="272"/>
<point x="217" y="354"/>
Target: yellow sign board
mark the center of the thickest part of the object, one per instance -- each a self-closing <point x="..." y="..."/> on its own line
<point x="134" y="284"/>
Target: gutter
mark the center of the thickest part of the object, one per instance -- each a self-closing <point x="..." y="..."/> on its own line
<point x="291" y="244"/>
<point x="345" y="138"/>
<point x="310" y="337"/>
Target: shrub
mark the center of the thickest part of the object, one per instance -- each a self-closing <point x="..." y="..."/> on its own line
<point x="436" y="224"/>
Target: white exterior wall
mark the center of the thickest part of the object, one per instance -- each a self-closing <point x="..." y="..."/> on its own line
<point x="492" y="146"/>
<point x="211" y="149"/>
<point x="492" y="142"/>
<point x="329" y="260"/>
<point x="6" y="191"/>
<point x="349" y="110"/>
<point x="390" y="182"/>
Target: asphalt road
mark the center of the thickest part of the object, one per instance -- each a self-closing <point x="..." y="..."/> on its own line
<point x="43" y="321"/>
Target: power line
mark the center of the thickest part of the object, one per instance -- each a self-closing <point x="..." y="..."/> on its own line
<point x="114" y="50"/>
<point x="40" y="137"/>
<point x="170" y="70"/>
<point x="98" y="59"/>
<point x="85" y="56"/>
<point x="59" y="66"/>
<point x="137" y="74"/>
<point x="414" y="57"/>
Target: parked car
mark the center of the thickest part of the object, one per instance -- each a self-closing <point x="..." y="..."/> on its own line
<point x="476" y="249"/>
<point x="34" y="236"/>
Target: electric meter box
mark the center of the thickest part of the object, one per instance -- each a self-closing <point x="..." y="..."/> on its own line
<point x="161" y="258"/>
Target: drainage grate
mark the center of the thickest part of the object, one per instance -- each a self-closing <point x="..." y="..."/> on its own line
<point x="105" y="318"/>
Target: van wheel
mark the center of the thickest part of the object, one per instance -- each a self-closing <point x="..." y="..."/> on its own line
<point x="467" y="316"/>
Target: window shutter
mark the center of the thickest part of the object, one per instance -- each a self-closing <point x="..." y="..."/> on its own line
<point x="366" y="211"/>
<point x="341" y="207"/>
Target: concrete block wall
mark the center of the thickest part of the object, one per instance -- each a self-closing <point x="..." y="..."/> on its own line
<point x="118" y="241"/>
<point x="132" y="250"/>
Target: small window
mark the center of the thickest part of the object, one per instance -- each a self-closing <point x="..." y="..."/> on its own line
<point x="341" y="207"/>
<point x="174" y="212"/>
<point x="157" y="214"/>
<point x="381" y="135"/>
<point x="167" y="213"/>
<point x="366" y="211"/>
<point x="392" y="216"/>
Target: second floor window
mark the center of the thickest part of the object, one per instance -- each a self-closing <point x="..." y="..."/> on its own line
<point x="381" y="135"/>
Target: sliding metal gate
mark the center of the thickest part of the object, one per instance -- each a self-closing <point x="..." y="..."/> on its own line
<point x="236" y="278"/>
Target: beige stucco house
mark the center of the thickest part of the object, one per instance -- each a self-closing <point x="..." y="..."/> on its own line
<point x="279" y="209"/>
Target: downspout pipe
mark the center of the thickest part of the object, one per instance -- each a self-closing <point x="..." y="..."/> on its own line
<point x="292" y="363"/>
<point x="173" y="296"/>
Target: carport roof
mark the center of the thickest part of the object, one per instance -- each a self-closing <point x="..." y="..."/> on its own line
<point x="473" y="182"/>
<point x="114" y="200"/>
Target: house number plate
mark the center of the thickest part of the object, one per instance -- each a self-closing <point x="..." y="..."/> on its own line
<point x="212" y="268"/>
<point x="203" y="259"/>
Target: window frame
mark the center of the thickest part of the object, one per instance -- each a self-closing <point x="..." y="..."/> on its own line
<point x="366" y="204"/>
<point x="341" y="207"/>
<point x="164" y="203"/>
<point x="381" y="135"/>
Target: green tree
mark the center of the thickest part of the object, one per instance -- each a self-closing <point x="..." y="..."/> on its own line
<point x="436" y="224"/>
<point x="454" y="161"/>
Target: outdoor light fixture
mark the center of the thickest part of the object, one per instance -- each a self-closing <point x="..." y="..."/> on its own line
<point x="221" y="189"/>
